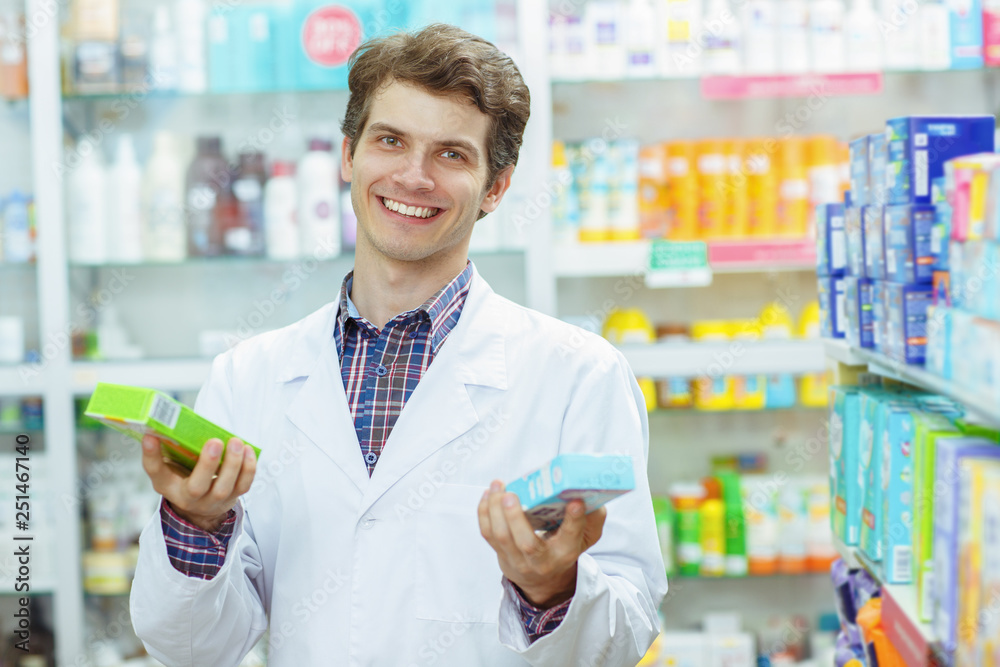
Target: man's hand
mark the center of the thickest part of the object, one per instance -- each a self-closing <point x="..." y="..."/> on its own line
<point x="543" y="567"/>
<point x="194" y="495"/>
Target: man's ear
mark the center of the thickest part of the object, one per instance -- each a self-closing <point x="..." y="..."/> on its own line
<point x="496" y="192"/>
<point x="346" y="161"/>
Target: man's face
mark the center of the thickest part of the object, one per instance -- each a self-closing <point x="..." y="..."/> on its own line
<point x="426" y="153"/>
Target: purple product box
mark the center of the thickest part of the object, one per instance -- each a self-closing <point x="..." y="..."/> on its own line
<point x="871" y="218"/>
<point x="854" y="232"/>
<point x="831" y="246"/>
<point x="906" y="333"/>
<point x="950" y="452"/>
<point x="859" y="331"/>
<point x="908" y="239"/>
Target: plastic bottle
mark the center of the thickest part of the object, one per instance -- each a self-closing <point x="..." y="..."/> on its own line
<point x="715" y="392"/>
<point x="760" y="54"/>
<point x="761" y="517"/>
<point x="13" y="54"/>
<point x="901" y="29"/>
<point x="86" y="207"/>
<point x="723" y="38"/>
<point x="594" y="223"/>
<point x="738" y="194"/>
<point x="565" y="217"/>
<point x="935" y="35"/>
<point x="736" y="547"/>
<point x="793" y="188"/>
<point x="792" y="528"/>
<point x="163" y="51"/>
<point x="246" y="237"/>
<point x="627" y="326"/>
<point x="17" y="243"/>
<point x="124" y="205"/>
<point x="623" y="193"/>
<point x="682" y="183"/>
<point x="319" y="212"/>
<point x="776" y="324"/>
<point x="162" y="205"/>
<point x="189" y="17"/>
<point x="687" y="499"/>
<point x="654" y="203"/>
<point x="208" y="179"/>
<point x="762" y="189"/>
<point x="281" y="223"/>
<point x="864" y="44"/>
<point x="826" y="35"/>
<point x="640" y="42"/>
<point x="712" y="195"/>
<point x="681" y="53"/>
<point x="749" y="391"/>
<point x="793" y="36"/>
<point x="812" y="386"/>
<point x="605" y="39"/>
<point x="713" y="538"/>
<point x="674" y="392"/>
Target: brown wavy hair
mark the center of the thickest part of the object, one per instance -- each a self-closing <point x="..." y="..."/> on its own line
<point x="444" y="60"/>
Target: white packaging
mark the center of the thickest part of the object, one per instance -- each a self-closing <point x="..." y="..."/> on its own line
<point x="164" y="235"/>
<point x="793" y="36"/>
<point x="679" y="26"/>
<point x="901" y="30"/>
<point x="86" y="206"/>
<point x="826" y="35"/>
<point x="731" y="650"/>
<point x="723" y="38"/>
<point x="281" y="226"/>
<point x="318" y="182"/>
<point x="124" y="215"/>
<point x="640" y="39"/>
<point x="935" y="35"/>
<point x="863" y="38"/>
<point x="684" y="649"/>
<point x="602" y="20"/>
<point x="163" y="51"/>
<point x="760" y="53"/>
<point x="189" y="17"/>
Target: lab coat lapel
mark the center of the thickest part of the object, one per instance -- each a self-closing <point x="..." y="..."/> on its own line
<point x="440" y="409"/>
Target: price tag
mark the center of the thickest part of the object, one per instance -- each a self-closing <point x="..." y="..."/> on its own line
<point x="678" y="264"/>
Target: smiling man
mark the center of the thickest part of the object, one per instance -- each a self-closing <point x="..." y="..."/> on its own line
<point x="377" y="530"/>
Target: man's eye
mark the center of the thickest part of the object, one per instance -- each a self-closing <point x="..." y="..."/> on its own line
<point x="391" y="141"/>
<point x="452" y="155"/>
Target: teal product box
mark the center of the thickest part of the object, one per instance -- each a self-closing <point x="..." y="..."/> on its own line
<point x="918" y="147"/>
<point x="908" y="232"/>
<point x="939" y="341"/>
<point x="871" y="218"/>
<point x="860" y="192"/>
<point x="966" y="21"/>
<point x="870" y="466"/>
<point x="940" y="235"/>
<point x="845" y="485"/>
<point x="831" y="245"/>
<point x="832" y="306"/>
<point x="854" y="233"/>
<point x="284" y="24"/>
<point x="956" y="266"/>
<point x="859" y="330"/>
<point x="878" y="157"/>
<point x="949" y="455"/>
<point x="906" y="336"/>
<point x="224" y="50"/>
<point x="593" y="478"/>
<point x="257" y="72"/>
<point x="897" y="492"/>
<point x="779" y="391"/>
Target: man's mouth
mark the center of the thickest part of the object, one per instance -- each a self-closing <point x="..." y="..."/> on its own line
<point x="421" y="212"/>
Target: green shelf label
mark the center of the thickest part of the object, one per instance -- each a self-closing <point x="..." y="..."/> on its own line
<point x="678" y="264"/>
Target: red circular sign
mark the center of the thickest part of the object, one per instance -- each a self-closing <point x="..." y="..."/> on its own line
<point x="330" y="35"/>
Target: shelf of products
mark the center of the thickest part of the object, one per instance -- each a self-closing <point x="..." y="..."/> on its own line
<point x="790" y="85"/>
<point x="795" y="357"/>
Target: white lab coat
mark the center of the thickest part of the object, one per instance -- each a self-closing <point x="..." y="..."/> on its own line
<point x="392" y="570"/>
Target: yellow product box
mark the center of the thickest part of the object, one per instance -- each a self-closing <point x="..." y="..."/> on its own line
<point x="986" y="645"/>
<point x="136" y="411"/>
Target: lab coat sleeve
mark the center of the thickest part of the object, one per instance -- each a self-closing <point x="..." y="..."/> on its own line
<point x="621" y="580"/>
<point x="188" y="622"/>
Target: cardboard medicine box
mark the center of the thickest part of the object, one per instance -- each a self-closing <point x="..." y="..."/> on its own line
<point x="854" y="233"/>
<point x="859" y="331"/>
<point x="874" y="239"/>
<point x="136" y="411"/>
<point x="908" y="239"/>
<point x="832" y="306"/>
<point x="831" y="245"/>
<point x="845" y="485"/>
<point x="906" y="333"/>
<point x="593" y="478"/>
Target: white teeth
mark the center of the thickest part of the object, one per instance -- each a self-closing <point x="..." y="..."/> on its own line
<point x="411" y="211"/>
<point x="421" y="212"/>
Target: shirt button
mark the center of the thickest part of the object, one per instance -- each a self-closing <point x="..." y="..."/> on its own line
<point x="367" y="522"/>
<point x="371" y="458"/>
<point x="381" y="370"/>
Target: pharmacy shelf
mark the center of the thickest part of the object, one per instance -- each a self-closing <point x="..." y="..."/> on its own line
<point x="659" y="360"/>
<point x="164" y="374"/>
<point x="879" y="364"/>
<point x="22" y="380"/>
<point x="752" y="577"/>
<point x="624" y="258"/>
<point x="790" y="85"/>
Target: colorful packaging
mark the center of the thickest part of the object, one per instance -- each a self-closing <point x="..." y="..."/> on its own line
<point x="966" y="21"/>
<point x="820" y="552"/>
<point x="687" y="499"/>
<point x="860" y="192"/>
<point x="663" y="512"/>
<point x="854" y="232"/>
<point x="832" y="306"/>
<point x="879" y="316"/>
<point x="859" y="330"/>
<point x="950" y="455"/>
<point x="136" y="411"/>
<point x="939" y="332"/>
<point x="918" y="147"/>
<point x="845" y="485"/>
<point x="871" y="218"/>
<point x="793" y="527"/>
<point x="831" y="244"/>
<point x="736" y="545"/>
<point x="593" y="478"/>
<point x="987" y="645"/>
<point x="897" y="491"/>
<point x="908" y="234"/>
<point x="991" y="33"/>
<point x="761" y="515"/>
<point x="715" y="392"/>
<point x="871" y="467"/>
<point x="878" y="157"/>
<point x="940" y="233"/>
<point x="906" y="333"/>
<point x="713" y="538"/>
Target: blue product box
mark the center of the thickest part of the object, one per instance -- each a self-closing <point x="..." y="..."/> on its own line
<point x="870" y="465"/>
<point x="956" y="267"/>
<point x="859" y="330"/>
<point x="879" y="315"/>
<point x="285" y="41"/>
<point x="593" y="478"/>
<point x="831" y="244"/>
<point x="222" y="52"/>
<point x="966" y="20"/>
<point x="940" y="236"/>
<point x="258" y="69"/>
<point x="950" y="453"/>
<point x="918" y="147"/>
<point x="878" y="157"/>
<point x="908" y="232"/>
<point x="871" y="218"/>
<point x="832" y="306"/>
<point x="906" y="335"/>
<point x="897" y="492"/>
<point x="939" y="329"/>
<point x="854" y="233"/>
<point x="860" y="194"/>
<point x="845" y="485"/>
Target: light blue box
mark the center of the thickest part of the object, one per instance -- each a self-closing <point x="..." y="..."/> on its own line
<point x="878" y="157"/>
<point x="593" y="478"/>
<point x="860" y="192"/>
<point x="940" y="323"/>
<point x="831" y="245"/>
<point x="223" y="38"/>
<point x="257" y="72"/>
<point x="845" y="485"/>
<point x="854" y="232"/>
<point x="874" y="240"/>
<point x="966" y="20"/>
<point x="897" y="491"/>
<point x="870" y="452"/>
<point x="908" y="240"/>
<point x="880" y="315"/>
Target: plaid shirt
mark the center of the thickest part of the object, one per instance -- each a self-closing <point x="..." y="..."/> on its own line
<point x="380" y="370"/>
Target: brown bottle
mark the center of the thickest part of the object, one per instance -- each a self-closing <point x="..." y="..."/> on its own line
<point x="208" y="199"/>
<point x="247" y="237"/>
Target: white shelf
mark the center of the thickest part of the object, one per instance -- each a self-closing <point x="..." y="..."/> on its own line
<point x="166" y="374"/>
<point x="23" y="380"/>
<point x="796" y="357"/>
<point x="985" y="409"/>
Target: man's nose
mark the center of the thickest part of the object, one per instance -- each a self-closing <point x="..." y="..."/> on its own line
<point x="413" y="174"/>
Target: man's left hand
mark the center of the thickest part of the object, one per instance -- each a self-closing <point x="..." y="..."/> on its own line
<point x="542" y="567"/>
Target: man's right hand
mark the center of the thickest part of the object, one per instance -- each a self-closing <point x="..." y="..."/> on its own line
<point x="194" y="495"/>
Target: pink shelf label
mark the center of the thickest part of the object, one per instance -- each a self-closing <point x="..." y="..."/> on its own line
<point x="723" y="253"/>
<point x="905" y="637"/>
<point x="790" y="85"/>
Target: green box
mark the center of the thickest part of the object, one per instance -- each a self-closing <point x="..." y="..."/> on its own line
<point x="136" y="411"/>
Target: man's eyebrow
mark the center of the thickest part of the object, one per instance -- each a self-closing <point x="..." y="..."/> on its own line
<point x="467" y="146"/>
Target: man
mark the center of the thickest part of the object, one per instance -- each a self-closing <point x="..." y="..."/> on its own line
<point x="369" y="533"/>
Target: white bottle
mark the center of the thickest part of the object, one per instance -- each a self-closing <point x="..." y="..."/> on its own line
<point x="189" y="18"/>
<point x="760" y="53"/>
<point x="163" y="51"/>
<point x="793" y="36"/>
<point x="319" y="203"/>
<point x="640" y="40"/>
<point x="901" y="30"/>
<point x="124" y="217"/>
<point x="680" y="29"/>
<point x="863" y="40"/>
<point x="164" y="234"/>
<point x="826" y="35"/>
<point x="281" y="225"/>
<point x="935" y="38"/>
<point x="86" y="206"/>
<point x="605" y="39"/>
<point x="722" y="37"/>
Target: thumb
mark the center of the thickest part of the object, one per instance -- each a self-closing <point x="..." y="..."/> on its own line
<point x="573" y="523"/>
